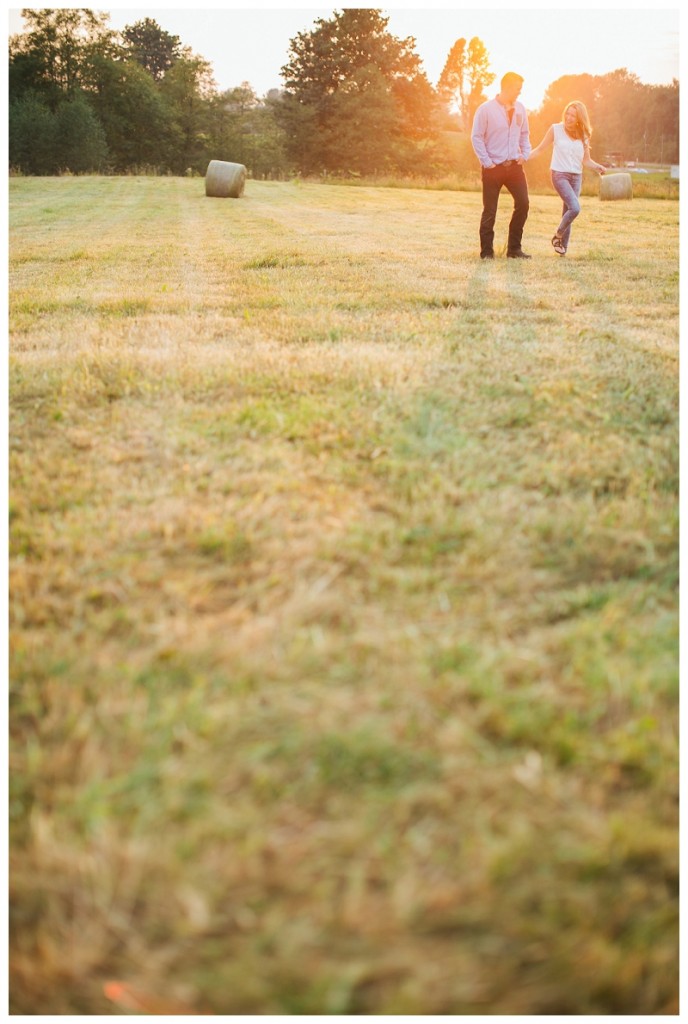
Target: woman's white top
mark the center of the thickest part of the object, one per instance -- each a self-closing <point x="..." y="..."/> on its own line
<point x="567" y="153"/>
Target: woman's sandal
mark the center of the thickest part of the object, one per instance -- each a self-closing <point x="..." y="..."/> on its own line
<point x="559" y="245"/>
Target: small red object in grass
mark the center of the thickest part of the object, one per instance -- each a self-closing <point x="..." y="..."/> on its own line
<point x="131" y="998"/>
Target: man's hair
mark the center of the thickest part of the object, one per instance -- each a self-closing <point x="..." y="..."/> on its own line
<point x="510" y="78"/>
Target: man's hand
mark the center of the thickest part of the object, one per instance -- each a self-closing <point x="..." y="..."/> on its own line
<point x="521" y="160"/>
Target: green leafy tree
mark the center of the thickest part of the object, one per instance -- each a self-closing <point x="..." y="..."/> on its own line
<point x="269" y="156"/>
<point x="364" y="121"/>
<point x="188" y="90"/>
<point x="151" y="47"/>
<point x="138" y="124"/>
<point x="621" y="117"/>
<point x="631" y="119"/>
<point x="662" y="102"/>
<point x="328" y="77"/>
<point x="32" y="135"/>
<point x="452" y="85"/>
<point x="79" y="140"/>
<point x="301" y="130"/>
<point x="231" y="120"/>
<point x="464" y="78"/>
<point x="559" y="93"/>
<point x="479" y="76"/>
<point x="25" y="73"/>
<point x="45" y="142"/>
<point x="53" y="49"/>
<point x="418" y="107"/>
<point x="245" y="130"/>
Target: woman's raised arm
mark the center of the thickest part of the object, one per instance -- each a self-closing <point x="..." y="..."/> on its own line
<point x="589" y="162"/>
<point x="547" y="141"/>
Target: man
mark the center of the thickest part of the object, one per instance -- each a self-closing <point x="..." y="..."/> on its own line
<point x="501" y="142"/>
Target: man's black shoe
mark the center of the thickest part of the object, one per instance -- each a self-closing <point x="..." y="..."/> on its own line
<point x="519" y="254"/>
<point x="486" y="255"/>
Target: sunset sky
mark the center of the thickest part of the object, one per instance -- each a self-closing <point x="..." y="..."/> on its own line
<point x="251" y="45"/>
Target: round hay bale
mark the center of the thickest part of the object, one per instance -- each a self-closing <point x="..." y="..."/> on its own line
<point x="616" y="186"/>
<point x="224" y="180"/>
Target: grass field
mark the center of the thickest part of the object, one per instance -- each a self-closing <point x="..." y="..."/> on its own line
<point x="344" y="603"/>
<point x="654" y="185"/>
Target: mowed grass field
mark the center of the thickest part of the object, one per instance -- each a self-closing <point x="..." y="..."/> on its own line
<point x="343" y="603"/>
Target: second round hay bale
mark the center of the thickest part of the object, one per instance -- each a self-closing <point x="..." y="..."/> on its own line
<point x="224" y="180"/>
<point x="616" y="186"/>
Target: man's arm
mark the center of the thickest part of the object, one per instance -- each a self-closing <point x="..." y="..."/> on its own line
<point x="478" y="137"/>
<point x="524" y="140"/>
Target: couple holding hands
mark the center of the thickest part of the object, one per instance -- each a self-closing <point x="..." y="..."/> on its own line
<point x="501" y="141"/>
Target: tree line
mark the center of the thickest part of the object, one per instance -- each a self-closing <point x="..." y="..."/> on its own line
<point x="355" y="101"/>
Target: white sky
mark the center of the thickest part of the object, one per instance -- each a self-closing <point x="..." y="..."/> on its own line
<point x="251" y="44"/>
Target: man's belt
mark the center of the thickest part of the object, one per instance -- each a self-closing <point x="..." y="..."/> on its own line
<point x="506" y="163"/>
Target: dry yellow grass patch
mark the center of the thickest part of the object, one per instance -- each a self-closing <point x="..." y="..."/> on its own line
<point x="343" y="581"/>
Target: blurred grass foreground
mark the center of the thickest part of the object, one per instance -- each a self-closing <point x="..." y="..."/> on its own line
<point x="344" y="604"/>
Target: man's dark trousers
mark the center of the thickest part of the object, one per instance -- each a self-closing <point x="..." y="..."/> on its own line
<point x="512" y="177"/>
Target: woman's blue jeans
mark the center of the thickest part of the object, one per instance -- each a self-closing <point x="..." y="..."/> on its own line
<point x="568" y="186"/>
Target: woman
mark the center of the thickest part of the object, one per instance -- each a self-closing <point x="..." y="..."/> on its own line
<point x="571" y="152"/>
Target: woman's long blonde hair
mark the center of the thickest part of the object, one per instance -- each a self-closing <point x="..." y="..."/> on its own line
<point x="583" y="129"/>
